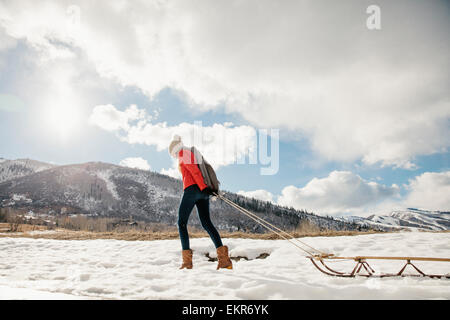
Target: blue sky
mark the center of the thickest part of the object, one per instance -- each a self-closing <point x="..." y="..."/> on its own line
<point x="363" y="115"/>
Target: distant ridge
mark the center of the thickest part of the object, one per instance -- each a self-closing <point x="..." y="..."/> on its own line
<point x="103" y="189"/>
<point x="10" y="169"/>
<point x="408" y="219"/>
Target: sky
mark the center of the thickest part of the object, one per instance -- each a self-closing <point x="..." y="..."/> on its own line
<point x="355" y="100"/>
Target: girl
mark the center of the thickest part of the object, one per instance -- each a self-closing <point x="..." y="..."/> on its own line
<point x="195" y="193"/>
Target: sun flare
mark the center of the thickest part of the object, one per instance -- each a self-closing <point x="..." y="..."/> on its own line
<point x="62" y="118"/>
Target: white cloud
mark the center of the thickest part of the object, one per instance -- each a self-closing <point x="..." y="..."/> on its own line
<point x="340" y="193"/>
<point x="220" y="144"/>
<point x="430" y="190"/>
<point x="309" y="66"/>
<point x="109" y="118"/>
<point x="263" y="195"/>
<point x="345" y="193"/>
<point x="171" y="172"/>
<point x="6" y="42"/>
<point x="138" y="163"/>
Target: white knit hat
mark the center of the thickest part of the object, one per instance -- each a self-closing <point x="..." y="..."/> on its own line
<point x="175" y="145"/>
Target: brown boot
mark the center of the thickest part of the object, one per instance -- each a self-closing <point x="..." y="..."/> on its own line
<point x="187" y="259"/>
<point x="224" y="259"/>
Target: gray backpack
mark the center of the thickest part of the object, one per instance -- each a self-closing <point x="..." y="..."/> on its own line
<point x="208" y="173"/>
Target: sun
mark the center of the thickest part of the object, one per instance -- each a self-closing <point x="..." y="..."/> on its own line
<point x="62" y="118"/>
<point x="60" y="102"/>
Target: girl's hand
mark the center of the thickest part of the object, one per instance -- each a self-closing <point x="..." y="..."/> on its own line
<point x="208" y="191"/>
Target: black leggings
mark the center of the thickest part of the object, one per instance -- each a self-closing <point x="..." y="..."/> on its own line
<point x="193" y="196"/>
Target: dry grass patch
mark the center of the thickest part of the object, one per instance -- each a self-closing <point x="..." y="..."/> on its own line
<point x="42" y="232"/>
<point x="20" y="227"/>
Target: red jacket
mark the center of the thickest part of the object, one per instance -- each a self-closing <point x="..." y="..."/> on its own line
<point x="189" y="170"/>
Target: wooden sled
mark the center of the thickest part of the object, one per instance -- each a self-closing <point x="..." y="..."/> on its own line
<point x="362" y="267"/>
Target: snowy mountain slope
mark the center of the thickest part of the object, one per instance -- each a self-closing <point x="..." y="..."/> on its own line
<point x="104" y="189"/>
<point x="407" y="219"/>
<point x="434" y="220"/>
<point x="95" y="188"/>
<point x="10" y="169"/>
<point x="112" y="269"/>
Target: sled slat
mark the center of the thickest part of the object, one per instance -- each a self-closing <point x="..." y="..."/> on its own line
<point x="390" y="258"/>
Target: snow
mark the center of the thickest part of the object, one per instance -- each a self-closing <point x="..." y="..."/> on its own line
<point x="421" y="217"/>
<point x="410" y="219"/>
<point x="21" y="167"/>
<point x="106" y="176"/>
<point x="113" y="269"/>
<point x="21" y="197"/>
<point x="7" y="293"/>
<point x="38" y="232"/>
<point x="158" y="193"/>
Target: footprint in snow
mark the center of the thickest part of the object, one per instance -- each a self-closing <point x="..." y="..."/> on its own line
<point x="160" y="262"/>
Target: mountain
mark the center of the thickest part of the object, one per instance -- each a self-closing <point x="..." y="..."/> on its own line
<point x="409" y="218"/>
<point x="10" y="169"/>
<point x="108" y="190"/>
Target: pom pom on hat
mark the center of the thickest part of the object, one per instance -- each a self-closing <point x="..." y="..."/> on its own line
<point x="175" y="145"/>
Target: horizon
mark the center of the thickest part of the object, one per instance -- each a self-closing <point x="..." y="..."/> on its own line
<point x="247" y="196"/>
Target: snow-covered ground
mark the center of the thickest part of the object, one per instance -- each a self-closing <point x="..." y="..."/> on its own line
<point x="113" y="269"/>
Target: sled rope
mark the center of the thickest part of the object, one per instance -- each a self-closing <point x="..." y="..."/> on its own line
<point x="323" y="258"/>
<point x="271" y="227"/>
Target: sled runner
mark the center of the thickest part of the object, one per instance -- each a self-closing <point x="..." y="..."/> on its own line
<point x="320" y="259"/>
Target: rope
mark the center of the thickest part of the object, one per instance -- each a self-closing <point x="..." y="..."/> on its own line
<point x="262" y="222"/>
<point x="269" y="226"/>
<point x="266" y="226"/>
